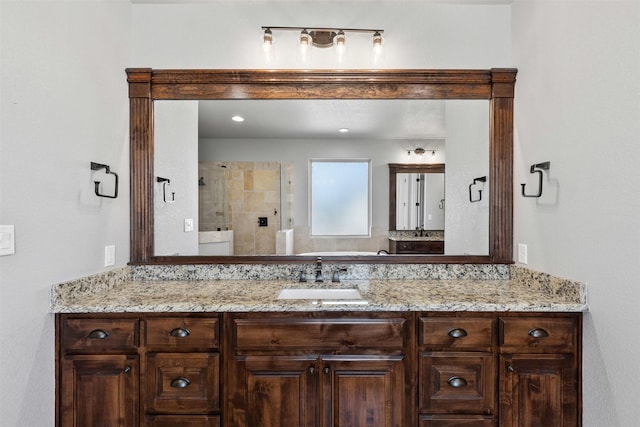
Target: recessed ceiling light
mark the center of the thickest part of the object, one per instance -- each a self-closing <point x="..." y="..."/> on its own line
<point x="237" y="118"/>
<point x="343" y="130"/>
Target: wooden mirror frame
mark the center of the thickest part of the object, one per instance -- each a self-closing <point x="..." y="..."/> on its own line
<point x="394" y="170"/>
<point x="147" y="85"/>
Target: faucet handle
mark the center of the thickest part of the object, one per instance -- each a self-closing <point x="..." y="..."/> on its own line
<point x="336" y="274"/>
<point x="303" y="276"/>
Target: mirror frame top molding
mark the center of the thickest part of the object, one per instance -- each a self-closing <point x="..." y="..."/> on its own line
<point x="496" y="85"/>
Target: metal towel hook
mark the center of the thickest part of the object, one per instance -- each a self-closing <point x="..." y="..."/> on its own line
<point x="164" y="182"/>
<point x="98" y="166"/>
<point x="537" y="168"/>
<point x="475" y="181"/>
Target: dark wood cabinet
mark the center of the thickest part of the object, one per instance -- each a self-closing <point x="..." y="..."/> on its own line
<point x="456" y="370"/>
<point x="319" y="369"/>
<point x="312" y="370"/>
<point x="405" y="247"/>
<point x="127" y="370"/>
<point x="539" y="371"/>
<point x="99" y="390"/>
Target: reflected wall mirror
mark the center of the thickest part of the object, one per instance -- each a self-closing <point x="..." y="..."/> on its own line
<point x="150" y="89"/>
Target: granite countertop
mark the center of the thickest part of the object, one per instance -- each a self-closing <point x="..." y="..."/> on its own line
<point x="260" y="295"/>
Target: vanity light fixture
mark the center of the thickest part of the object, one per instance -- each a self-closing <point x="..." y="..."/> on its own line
<point x="419" y="151"/>
<point x="324" y="37"/>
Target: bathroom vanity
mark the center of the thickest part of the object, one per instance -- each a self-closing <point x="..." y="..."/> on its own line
<point x="229" y="353"/>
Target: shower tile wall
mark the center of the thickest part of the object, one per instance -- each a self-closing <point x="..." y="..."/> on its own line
<point x="248" y="190"/>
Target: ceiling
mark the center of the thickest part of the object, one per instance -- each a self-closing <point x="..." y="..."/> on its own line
<point x="322" y="119"/>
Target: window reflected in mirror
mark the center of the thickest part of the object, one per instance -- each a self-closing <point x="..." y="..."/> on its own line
<point x="339" y="197"/>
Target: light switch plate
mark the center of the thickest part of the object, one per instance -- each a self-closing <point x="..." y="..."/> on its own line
<point x="188" y="225"/>
<point x="7" y="240"/>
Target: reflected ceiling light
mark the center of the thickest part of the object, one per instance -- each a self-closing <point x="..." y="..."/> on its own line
<point x="237" y="118"/>
<point x="324" y="37"/>
<point x="343" y="130"/>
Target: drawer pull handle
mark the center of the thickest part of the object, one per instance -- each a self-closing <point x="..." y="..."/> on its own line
<point x="180" y="332"/>
<point x="538" y="333"/>
<point x="98" y="334"/>
<point x="457" y="333"/>
<point x="126" y="369"/>
<point x="457" y="382"/>
<point x="181" y="382"/>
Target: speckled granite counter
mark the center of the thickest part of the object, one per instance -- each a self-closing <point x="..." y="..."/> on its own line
<point x="118" y="291"/>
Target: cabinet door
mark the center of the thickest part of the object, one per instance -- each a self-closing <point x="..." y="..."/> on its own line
<point x="538" y="390"/>
<point x="281" y="391"/>
<point x="363" y="391"/>
<point x="99" y="391"/>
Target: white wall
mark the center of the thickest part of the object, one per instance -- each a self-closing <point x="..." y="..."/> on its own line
<point x="176" y="158"/>
<point x="64" y="104"/>
<point x="228" y="35"/>
<point x="466" y="227"/>
<point x="578" y="105"/>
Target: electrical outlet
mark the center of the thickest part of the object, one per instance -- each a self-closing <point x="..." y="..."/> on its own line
<point x="522" y="253"/>
<point x="188" y="225"/>
<point x="109" y="255"/>
<point x="7" y="240"/>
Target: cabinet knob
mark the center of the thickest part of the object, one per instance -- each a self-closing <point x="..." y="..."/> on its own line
<point x="126" y="369"/>
<point x="326" y="369"/>
<point x="510" y="368"/>
<point x="457" y="333"/>
<point x="99" y="334"/>
<point x="457" y="382"/>
<point x="312" y="370"/>
<point x="180" y="332"/>
<point x="538" y="333"/>
<point x="181" y="382"/>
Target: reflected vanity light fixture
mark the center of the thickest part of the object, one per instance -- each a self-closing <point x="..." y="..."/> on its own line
<point x="323" y="37"/>
<point x="419" y="151"/>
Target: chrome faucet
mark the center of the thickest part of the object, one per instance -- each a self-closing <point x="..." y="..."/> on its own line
<point x="336" y="274"/>
<point x="319" y="278"/>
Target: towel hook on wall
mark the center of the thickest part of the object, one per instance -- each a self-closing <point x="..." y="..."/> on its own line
<point x="98" y="166"/>
<point x="537" y="168"/>
<point x="475" y="181"/>
<point x="164" y="182"/>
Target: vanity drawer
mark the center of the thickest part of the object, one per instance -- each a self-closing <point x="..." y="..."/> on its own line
<point x="303" y="334"/>
<point x="552" y="334"/>
<point x="182" y="333"/>
<point x="95" y="335"/>
<point x="453" y="333"/>
<point x="456" y="421"/>
<point x="179" y="383"/>
<point x="456" y="382"/>
<point x="182" y="421"/>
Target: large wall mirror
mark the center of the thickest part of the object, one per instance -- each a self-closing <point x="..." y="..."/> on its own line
<point x="241" y="192"/>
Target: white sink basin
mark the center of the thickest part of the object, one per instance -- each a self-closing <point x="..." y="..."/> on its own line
<point x="322" y="294"/>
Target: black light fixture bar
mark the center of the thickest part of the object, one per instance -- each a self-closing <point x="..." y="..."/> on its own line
<point x="350" y="30"/>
